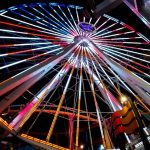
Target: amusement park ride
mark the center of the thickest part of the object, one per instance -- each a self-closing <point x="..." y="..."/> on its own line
<point x="63" y="74"/>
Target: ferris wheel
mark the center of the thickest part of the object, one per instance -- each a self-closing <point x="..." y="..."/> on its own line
<point x="56" y="62"/>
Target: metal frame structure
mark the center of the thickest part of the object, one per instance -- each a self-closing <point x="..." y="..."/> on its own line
<point x="47" y="39"/>
<point x="139" y="11"/>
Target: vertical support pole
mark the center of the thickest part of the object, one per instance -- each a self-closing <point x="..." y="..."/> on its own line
<point x="141" y="126"/>
<point x="71" y="129"/>
<point x="58" y="108"/>
<point x="61" y="101"/>
<point x="79" y="103"/>
<point x="95" y="102"/>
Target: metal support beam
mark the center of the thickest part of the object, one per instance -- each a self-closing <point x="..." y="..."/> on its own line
<point x="105" y="92"/>
<point x="30" y="108"/>
<point x="9" y="99"/>
<point x="139" y="85"/>
<point x="59" y="107"/>
<point x="106" y="6"/>
<point x="71" y="130"/>
<point x="141" y="14"/>
<point x="40" y="143"/>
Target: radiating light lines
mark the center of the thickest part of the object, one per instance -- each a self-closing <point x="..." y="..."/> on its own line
<point x="60" y="59"/>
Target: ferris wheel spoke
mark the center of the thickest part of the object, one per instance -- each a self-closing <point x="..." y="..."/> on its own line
<point x="108" y="96"/>
<point x="89" y="128"/>
<point x="24" y="44"/>
<point x="121" y="49"/>
<point x="108" y="50"/>
<point x="34" y="20"/>
<point x="130" y="75"/>
<point x="68" y="20"/>
<point x="106" y="102"/>
<point x="25" y="33"/>
<point x="77" y="29"/>
<point x="125" y="72"/>
<point x="91" y="34"/>
<point x="102" y="24"/>
<point x="136" y="63"/>
<point x="29" y="50"/>
<point x="126" y="64"/>
<point x="79" y="101"/>
<point x="77" y="14"/>
<point x="114" y="105"/>
<point x="120" y="42"/>
<point x="30" y="58"/>
<point x="55" y="36"/>
<point x="27" y="28"/>
<point x="145" y="98"/>
<point x="96" y="106"/>
<point x="90" y="20"/>
<point x="25" y="75"/>
<point x="58" y="25"/>
<point x="70" y="29"/>
<point x="115" y="40"/>
<point x="97" y="20"/>
<point x="113" y="31"/>
<point x="127" y="47"/>
<point x="46" y="24"/>
<point x="118" y="34"/>
<point x="118" y="54"/>
<point x="60" y="104"/>
<point x="108" y="27"/>
<point x="99" y="64"/>
<point x="33" y="25"/>
<point x="23" y="116"/>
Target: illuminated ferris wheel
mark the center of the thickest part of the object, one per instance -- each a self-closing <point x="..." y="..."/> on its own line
<point x="58" y="63"/>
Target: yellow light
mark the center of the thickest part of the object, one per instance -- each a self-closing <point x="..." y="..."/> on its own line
<point x="123" y="99"/>
<point x="82" y="146"/>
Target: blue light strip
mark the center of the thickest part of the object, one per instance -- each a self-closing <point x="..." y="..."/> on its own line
<point x="57" y="23"/>
<point x="68" y="20"/>
<point x="61" y="18"/>
<point x="56" y="28"/>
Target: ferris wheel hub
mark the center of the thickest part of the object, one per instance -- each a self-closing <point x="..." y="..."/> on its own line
<point x="84" y="40"/>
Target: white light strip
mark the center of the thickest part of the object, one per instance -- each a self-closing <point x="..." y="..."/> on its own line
<point x="97" y="21"/>
<point x="50" y="31"/>
<point x="77" y="29"/>
<point x="68" y="20"/>
<point x="114" y="52"/>
<point x="103" y="29"/>
<point x="25" y="60"/>
<point x="35" y="49"/>
<point x="123" y="58"/>
<point x="121" y="49"/>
